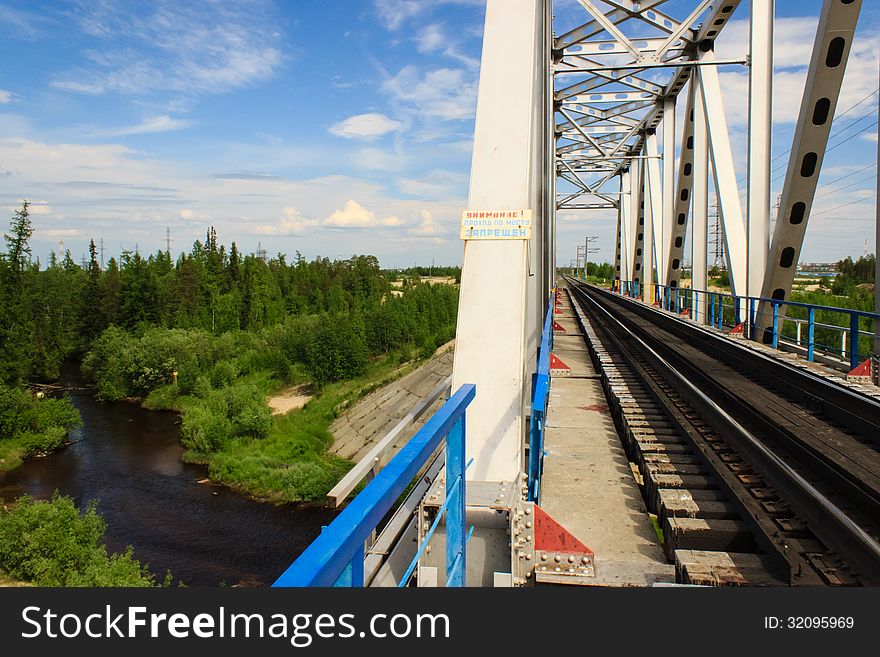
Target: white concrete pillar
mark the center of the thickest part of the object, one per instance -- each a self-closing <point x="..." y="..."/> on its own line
<point x="500" y="300"/>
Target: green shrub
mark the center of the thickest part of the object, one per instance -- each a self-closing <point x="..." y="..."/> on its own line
<point x="203" y="430"/>
<point x="335" y="351"/>
<point x="50" y="543"/>
<point x="43" y="443"/>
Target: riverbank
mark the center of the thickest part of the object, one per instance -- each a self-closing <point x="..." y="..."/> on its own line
<point x="32" y="425"/>
<point x="292" y="463"/>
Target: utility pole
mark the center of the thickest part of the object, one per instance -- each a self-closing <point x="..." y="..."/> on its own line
<point x="579" y="257"/>
<point x="588" y="250"/>
<point x="877" y="267"/>
<point x="168" y="240"/>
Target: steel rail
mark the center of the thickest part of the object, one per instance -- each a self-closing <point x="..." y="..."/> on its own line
<point x="832" y="525"/>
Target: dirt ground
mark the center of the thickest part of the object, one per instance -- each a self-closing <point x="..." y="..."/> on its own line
<point x="290" y="399"/>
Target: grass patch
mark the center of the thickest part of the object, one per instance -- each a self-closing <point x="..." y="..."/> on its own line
<point x="291" y="463"/>
<point x="657" y="529"/>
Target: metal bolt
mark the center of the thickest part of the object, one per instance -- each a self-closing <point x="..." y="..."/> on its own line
<point x="558" y="569"/>
<point x="585" y="559"/>
<point x="529" y="556"/>
<point x="528" y="511"/>
<point x="557" y="558"/>
<point x="529" y="524"/>
<point x="528" y="539"/>
<point x="543" y="556"/>
<point x="570" y="559"/>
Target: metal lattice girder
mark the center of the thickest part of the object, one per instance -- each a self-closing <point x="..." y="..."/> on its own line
<point x="638" y="213"/>
<point x="834" y="35"/>
<point x="683" y="188"/>
<point x="760" y="129"/>
<point x="700" y="196"/>
<point x="654" y="209"/>
<point x="618" y="76"/>
<point x="627" y="234"/>
<point x="668" y="191"/>
<point x="726" y="190"/>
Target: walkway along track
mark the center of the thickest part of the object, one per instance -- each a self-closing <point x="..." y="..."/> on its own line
<point x="759" y="473"/>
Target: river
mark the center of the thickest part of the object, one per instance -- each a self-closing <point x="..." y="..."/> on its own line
<point x="128" y="458"/>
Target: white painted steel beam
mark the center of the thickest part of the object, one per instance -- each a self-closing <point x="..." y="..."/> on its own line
<point x="725" y="176"/>
<point x="684" y="186"/>
<point x="668" y="127"/>
<point x="700" y="193"/>
<point x="501" y="306"/>
<point x="834" y="36"/>
<point x="638" y="223"/>
<point x="654" y="207"/>
<point x="760" y="130"/>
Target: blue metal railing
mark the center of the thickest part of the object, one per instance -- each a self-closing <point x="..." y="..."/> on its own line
<point x="540" y="396"/>
<point x="336" y="557"/>
<point x="726" y="309"/>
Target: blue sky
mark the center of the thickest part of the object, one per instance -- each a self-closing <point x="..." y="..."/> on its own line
<point x="330" y="127"/>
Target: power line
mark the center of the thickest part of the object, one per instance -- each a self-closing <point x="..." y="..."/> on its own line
<point x="858" y="200"/>
<point x="851" y="173"/>
<point x="867" y="127"/>
<point x="840" y="189"/>
<point x="839" y="116"/>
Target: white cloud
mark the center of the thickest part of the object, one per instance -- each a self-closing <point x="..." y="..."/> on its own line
<point x="292" y="222"/>
<point x="437" y="184"/>
<point x="393" y="13"/>
<point x="365" y="126"/>
<point x="354" y="215"/>
<point x="39" y="207"/>
<point x="792" y="51"/>
<point x="428" y="226"/>
<point x="149" y="126"/>
<point x="5" y="96"/>
<point x="446" y="93"/>
<point x="53" y="233"/>
<point x="430" y="38"/>
<point x="377" y="159"/>
<point x="198" y="47"/>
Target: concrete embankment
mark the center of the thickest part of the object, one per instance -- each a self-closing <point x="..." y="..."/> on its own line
<point x="365" y="423"/>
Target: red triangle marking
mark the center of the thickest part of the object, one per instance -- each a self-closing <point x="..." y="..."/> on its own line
<point x="558" y="327"/>
<point x="687" y="313"/>
<point x="738" y="328"/>
<point x="859" y="370"/>
<point x="556" y="363"/>
<point x="553" y="537"/>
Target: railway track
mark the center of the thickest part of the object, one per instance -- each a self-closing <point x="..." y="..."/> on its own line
<point x="759" y="473"/>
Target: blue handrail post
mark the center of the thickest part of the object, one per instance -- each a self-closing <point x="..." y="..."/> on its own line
<point x="811" y="329"/>
<point x="751" y="318"/>
<point x="853" y="340"/>
<point x="342" y="542"/>
<point x="695" y="304"/>
<point x="775" y="325"/>
<point x="736" y="312"/>
<point x="456" y="565"/>
<point x="720" y="311"/>
<point x="711" y="309"/>
<point x="677" y="302"/>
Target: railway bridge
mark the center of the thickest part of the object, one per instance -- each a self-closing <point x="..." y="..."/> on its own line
<point x="651" y="430"/>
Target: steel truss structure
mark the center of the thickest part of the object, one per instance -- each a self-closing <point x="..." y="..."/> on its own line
<point x="618" y="79"/>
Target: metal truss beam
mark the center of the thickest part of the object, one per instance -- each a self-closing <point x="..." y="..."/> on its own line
<point x="725" y="177"/>
<point x="684" y="186"/>
<point x="834" y="36"/>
